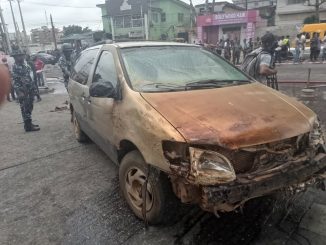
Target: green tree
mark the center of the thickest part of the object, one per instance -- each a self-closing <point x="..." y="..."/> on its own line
<point x="317" y="4"/>
<point x="310" y="20"/>
<point x="74" y="29"/>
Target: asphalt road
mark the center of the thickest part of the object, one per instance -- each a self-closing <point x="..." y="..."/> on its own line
<point x="290" y="72"/>
<point x="54" y="190"/>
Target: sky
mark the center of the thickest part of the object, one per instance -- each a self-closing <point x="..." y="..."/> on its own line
<point x="78" y="12"/>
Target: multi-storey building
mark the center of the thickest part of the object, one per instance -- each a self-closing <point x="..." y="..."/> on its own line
<point x="254" y="4"/>
<point x="146" y="19"/>
<point x="290" y="15"/>
<point x="43" y="35"/>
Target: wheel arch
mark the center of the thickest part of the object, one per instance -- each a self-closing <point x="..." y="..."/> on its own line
<point x="126" y="146"/>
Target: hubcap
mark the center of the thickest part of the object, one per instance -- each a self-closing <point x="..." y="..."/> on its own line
<point x="135" y="179"/>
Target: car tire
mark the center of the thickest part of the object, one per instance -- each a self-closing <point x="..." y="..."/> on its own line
<point x="161" y="203"/>
<point x="78" y="132"/>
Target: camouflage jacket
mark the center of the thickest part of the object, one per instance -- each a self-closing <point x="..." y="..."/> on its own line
<point x="22" y="78"/>
<point x="65" y="65"/>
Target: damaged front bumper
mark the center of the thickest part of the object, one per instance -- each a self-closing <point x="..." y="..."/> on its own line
<point x="295" y="174"/>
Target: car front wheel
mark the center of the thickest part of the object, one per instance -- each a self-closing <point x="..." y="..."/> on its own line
<point x="160" y="200"/>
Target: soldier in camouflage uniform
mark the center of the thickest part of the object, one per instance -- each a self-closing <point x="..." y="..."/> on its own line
<point x="25" y="89"/>
<point x="65" y="62"/>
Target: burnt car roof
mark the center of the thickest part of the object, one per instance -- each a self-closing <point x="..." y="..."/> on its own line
<point x="150" y="44"/>
<point x="142" y="44"/>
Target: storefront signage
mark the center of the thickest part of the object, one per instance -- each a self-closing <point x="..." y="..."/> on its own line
<point x="227" y="19"/>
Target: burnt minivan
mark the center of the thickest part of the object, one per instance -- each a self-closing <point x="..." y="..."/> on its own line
<point x="182" y="122"/>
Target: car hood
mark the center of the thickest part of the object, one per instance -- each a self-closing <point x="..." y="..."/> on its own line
<point x="233" y="117"/>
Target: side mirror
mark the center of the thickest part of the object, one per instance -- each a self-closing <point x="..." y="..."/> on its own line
<point x="102" y="90"/>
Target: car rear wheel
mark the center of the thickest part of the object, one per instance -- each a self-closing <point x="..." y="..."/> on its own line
<point x="161" y="202"/>
<point x="79" y="134"/>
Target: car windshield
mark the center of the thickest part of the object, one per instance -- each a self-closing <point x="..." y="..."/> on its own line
<point x="172" y="68"/>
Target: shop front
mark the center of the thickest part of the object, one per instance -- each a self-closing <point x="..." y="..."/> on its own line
<point x="237" y="25"/>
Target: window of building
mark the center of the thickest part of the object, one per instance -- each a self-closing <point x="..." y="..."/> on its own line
<point x="127" y="21"/>
<point x="137" y="21"/>
<point x="155" y="17"/>
<point x="296" y="1"/>
<point x="118" y="21"/>
<point x="180" y="17"/>
<point x="105" y="69"/>
<point x="82" y="68"/>
<point x="163" y="17"/>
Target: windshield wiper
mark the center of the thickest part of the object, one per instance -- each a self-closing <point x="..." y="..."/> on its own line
<point x="215" y="83"/>
<point x="169" y="86"/>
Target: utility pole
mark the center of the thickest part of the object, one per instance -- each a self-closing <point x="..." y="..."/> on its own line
<point x="46" y="19"/>
<point x="15" y="23"/>
<point x="6" y="31"/>
<point x="53" y="33"/>
<point x="246" y="5"/>
<point x="23" y="25"/>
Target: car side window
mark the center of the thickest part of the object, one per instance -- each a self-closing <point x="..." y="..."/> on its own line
<point x="83" y="66"/>
<point x="105" y="70"/>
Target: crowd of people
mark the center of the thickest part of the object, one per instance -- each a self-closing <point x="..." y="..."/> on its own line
<point x="235" y="51"/>
<point x="25" y="76"/>
<point x="37" y="67"/>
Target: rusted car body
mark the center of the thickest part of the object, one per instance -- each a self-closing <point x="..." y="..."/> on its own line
<point x="265" y="140"/>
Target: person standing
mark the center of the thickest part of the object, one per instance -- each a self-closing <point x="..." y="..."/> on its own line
<point x="39" y="66"/>
<point x="227" y="50"/>
<point x="11" y="88"/>
<point x="318" y="46"/>
<point x="236" y="52"/>
<point x="278" y="50"/>
<point x="257" y="44"/>
<point x="259" y="63"/>
<point x="65" y="62"/>
<point x="313" y="47"/>
<point x="250" y="46"/>
<point x="245" y="48"/>
<point x="219" y="47"/>
<point x="297" y="42"/>
<point x="34" y="77"/>
<point x="324" y="47"/>
<point x="25" y="89"/>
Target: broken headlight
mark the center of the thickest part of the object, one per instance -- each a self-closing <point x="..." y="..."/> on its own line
<point x="209" y="167"/>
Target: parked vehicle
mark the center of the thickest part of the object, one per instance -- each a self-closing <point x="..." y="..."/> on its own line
<point x="46" y="58"/>
<point x="310" y="29"/>
<point x="179" y="119"/>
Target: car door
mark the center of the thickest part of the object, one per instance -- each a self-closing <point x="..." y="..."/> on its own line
<point x="101" y="109"/>
<point x="78" y="85"/>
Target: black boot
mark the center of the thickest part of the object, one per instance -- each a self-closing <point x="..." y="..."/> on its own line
<point x="29" y="127"/>
<point x="35" y="125"/>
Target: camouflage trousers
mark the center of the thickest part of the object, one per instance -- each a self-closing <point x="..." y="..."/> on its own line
<point x="26" y="106"/>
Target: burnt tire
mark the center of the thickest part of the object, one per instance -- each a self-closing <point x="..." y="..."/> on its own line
<point x="161" y="203"/>
<point x="78" y="132"/>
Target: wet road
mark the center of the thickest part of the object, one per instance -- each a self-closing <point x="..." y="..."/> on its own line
<point x="54" y="190"/>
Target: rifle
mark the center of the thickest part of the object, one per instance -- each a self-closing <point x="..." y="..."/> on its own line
<point x="272" y="81"/>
